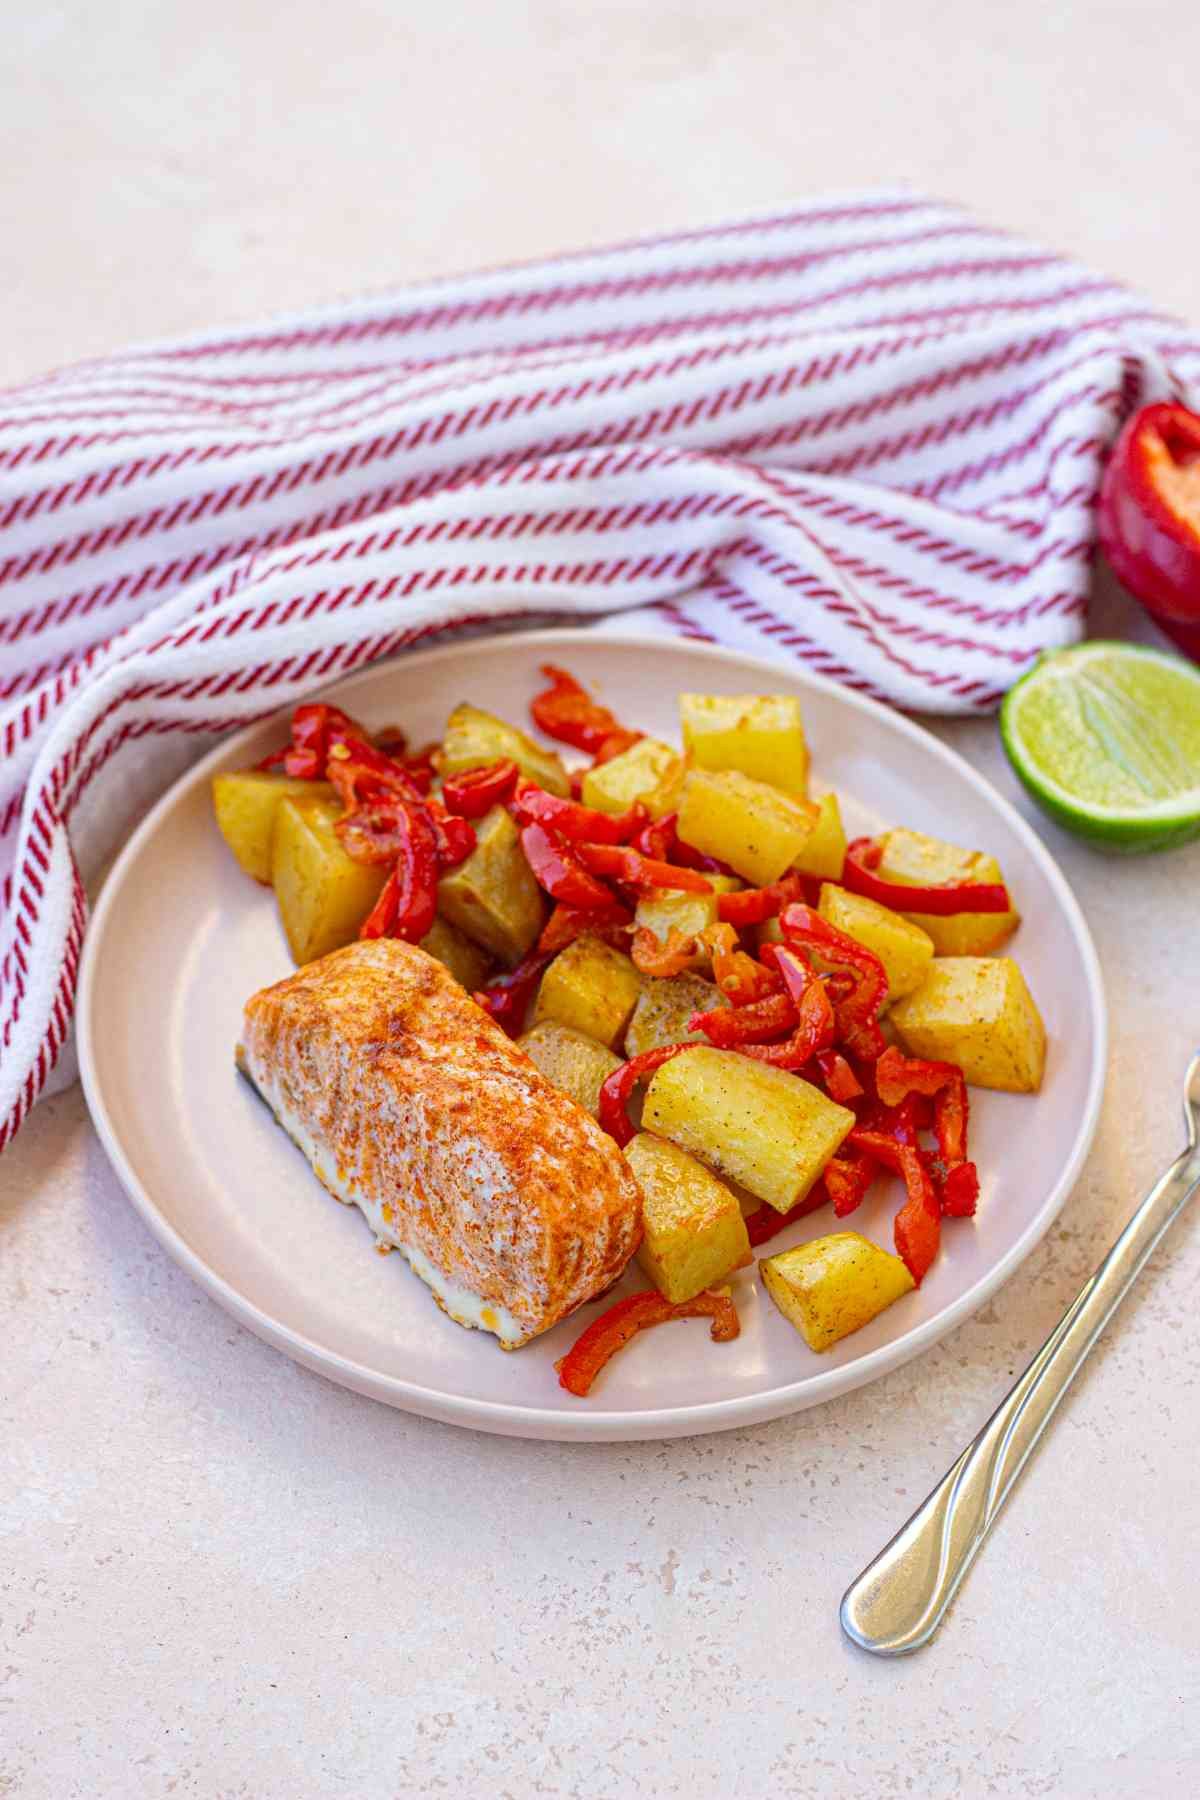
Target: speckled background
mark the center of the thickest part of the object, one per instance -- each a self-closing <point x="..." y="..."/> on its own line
<point x="220" y="1576"/>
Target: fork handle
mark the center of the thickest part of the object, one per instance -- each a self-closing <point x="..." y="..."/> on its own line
<point x="900" y="1599"/>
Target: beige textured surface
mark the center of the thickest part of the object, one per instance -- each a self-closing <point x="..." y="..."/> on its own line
<point x="221" y="1577"/>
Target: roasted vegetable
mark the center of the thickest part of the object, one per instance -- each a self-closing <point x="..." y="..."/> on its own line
<point x="911" y="858"/>
<point x="592" y="988"/>
<point x="663" y="1010"/>
<point x="467" y="963"/>
<point x="762" y="1127"/>
<point x="824" y="849"/>
<point x="833" y="1285"/>
<point x="649" y="771"/>
<point x="761" y="735"/>
<point x="493" y="896"/>
<point x="574" y="1063"/>
<point x="694" y="1231"/>
<point x="663" y="910"/>
<point x="473" y="737"/>
<point x="902" y="947"/>
<point x="976" y="1011"/>
<point x="323" y="894"/>
<point x="757" y="830"/>
<point x="246" y="803"/>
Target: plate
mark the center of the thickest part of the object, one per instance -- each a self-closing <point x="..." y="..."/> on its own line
<point x="180" y="938"/>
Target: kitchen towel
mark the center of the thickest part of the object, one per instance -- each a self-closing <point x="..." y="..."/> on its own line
<point x="865" y="433"/>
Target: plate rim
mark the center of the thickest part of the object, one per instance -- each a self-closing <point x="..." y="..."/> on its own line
<point x="596" y="1425"/>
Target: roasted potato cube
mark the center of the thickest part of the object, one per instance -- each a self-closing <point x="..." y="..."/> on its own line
<point x="823" y="852"/>
<point x="833" y="1285"/>
<point x="976" y="1011"/>
<point x="493" y="896"/>
<point x="758" y="830"/>
<point x="695" y="1234"/>
<point x="576" y="1064"/>
<point x="919" y="861"/>
<point x="664" y="1007"/>
<point x="759" y="1126"/>
<point x="760" y="735"/>
<point x="648" y="771"/>
<point x="473" y="737"/>
<point x="663" y="910"/>
<point x="902" y="947"/>
<point x="592" y="988"/>
<point x="323" y="894"/>
<point x="246" y="803"/>
<point x="468" y="964"/>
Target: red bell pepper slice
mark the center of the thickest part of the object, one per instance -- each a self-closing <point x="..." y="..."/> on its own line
<point x="475" y="791"/>
<point x="814" y="1027"/>
<point x="314" y="726"/>
<point x="567" y="712"/>
<point x="616" y="1089"/>
<point x="651" y="956"/>
<point x="918" y="1225"/>
<point x="561" y="872"/>
<point x="944" y="901"/>
<point x="841" y="1083"/>
<point x="766" y="1223"/>
<point x="506" y="998"/>
<point x="896" y="1078"/>
<point x="847" y="1177"/>
<point x="754" y="906"/>
<point x="642" y="873"/>
<point x="660" y="840"/>
<point x="959" y="1192"/>
<point x="1149" y="516"/>
<point x="532" y="805"/>
<point x="732" y="1027"/>
<point x="740" y="979"/>
<point x="566" y="923"/>
<point x="857" y="1011"/>
<point x="407" y="906"/>
<point x="455" y="836"/>
<point x="578" y="1369"/>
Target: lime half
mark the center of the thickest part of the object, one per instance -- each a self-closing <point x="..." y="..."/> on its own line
<point x="1106" y="737"/>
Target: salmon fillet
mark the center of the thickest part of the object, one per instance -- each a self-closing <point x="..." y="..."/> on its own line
<point x="502" y="1193"/>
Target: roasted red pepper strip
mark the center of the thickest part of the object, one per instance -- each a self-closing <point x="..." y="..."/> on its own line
<point x="753" y="906"/>
<point x="314" y="726"/>
<point x="733" y="1027"/>
<point x="660" y="839"/>
<point x="566" y="711"/>
<point x="455" y="836"/>
<point x="616" y="1089"/>
<point x="532" y="805"/>
<point x="642" y="873"/>
<point x="841" y="1083"/>
<point x="857" y="1012"/>
<point x="959" y="1193"/>
<point x="578" y="1369"/>
<point x="506" y="997"/>
<point x="407" y="906"/>
<point x="360" y="773"/>
<point x="740" y="979"/>
<point x="766" y="1223"/>
<point x="918" y="1226"/>
<point x="560" y="871"/>
<point x="897" y="1076"/>
<point x="1149" y="516"/>
<point x="566" y="923"/>
<point x="475" y="791"/>
<point x="651" y="956"/>
<point x="814" y="1016"/>
<point x="942" y="902"/>
<point x="847" y="1177"/>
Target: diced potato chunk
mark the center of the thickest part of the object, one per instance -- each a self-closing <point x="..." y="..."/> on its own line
<point x="664" y="1007"/>
<point x="762" y="1127"/>
<point x="761" y="735"/>
<point x="592" y="988"/>
<point x="834" y="1285"/>
<point x="473" y="738"/>
<point x="663" y="910"/>
<point x="468" y="964"/>
<point x="576" y="1064"/>
<point x="919" y="861"/>
<point x="756" y="829"/>
<point x="823" y="852"/>
<point x="695" y="1234"/>
<point x="323" y="894"/>
<point x="902" y="947"/>
<point x="978" y="1012"/>
<point x="493" y="896"/>
<point x="246" y="803"/>
<point x="648" y="771"/>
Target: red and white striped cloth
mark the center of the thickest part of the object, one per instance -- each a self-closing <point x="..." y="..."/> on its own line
<point x="866" y="433"/>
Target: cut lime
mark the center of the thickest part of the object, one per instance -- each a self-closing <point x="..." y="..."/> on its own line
<point x="1106" y="737"/>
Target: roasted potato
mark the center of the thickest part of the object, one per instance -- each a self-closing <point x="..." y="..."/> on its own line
<point x="468" y="964"/>
<point x="760" y="735"/>
<point x="902" y="947"/>
<point x="493" y="896"/>
<point x="592" y="988"/>
<point x="823" y="851"/>
<point x="694" y="1231"/>
<point x="762" y="1127"/>
<point x="323" y="894"/>
<point x="669" y="909"/>
<point x="919" y="861"/>
<point x="976" y="1011"/>
<point x="648" y="771"/>
<point x="833" y="1285"/>
<point x="758" y="830"/>
<point x="473" y="738"/>
<point x="576" y="1064"/>
<point x="246" y="803"/>
<point x="663" y="1010"/>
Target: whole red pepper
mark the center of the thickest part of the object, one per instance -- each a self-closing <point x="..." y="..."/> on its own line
<point x="616" y="1089"/>
<point x="506" y="997"/>
<point x="578" y="1369"/>
<point x="1149" y="516"/>
<point x="863" y="856"/>
<point x="561" y="872"/>
<point x="857" y="1011"/>
<point x="566" y="711"/>
<point x="475" y="791"/>
<point x="532" y="805"/>
<point x="639" y="872"/>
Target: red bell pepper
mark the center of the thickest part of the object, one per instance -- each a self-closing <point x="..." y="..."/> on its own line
<point x="733" y="1027"/>
<point x="314" y="727"/>
<point x="651" y="956"/>
<point x="847" y="1177"/>
<point x="896" y="1078"/>
<point x="918" y="1225"/>
<point x="841" y="1083"/>
<point x="753" y="906"/>
<point x="566" y="923"/>
<point x="455" y="836"/>
<point x="660" y="839"/>
<point x="944" y="901"/>
<point x="740" y="979"/>
<point x="532" y="805"/>
<point x="506" y="997"/>
<point x="616" y="1089"/>
<point x="959" y="1191"/>
<point x="856" y="1012"/>
<point x="407" y="906"/>
<point x="578" y="1369"/>
<point x="1149" y="516"/>
<point x="766" y="1223"/>
<point x="642" y="873"/>
<point x="814" y="1027"/>
<point x="562" y="874"/>
<point x="475" y="791"/>
<point x="566" y="711"/>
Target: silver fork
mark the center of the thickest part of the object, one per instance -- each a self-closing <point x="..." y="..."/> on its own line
<point x="900" y="1599"/>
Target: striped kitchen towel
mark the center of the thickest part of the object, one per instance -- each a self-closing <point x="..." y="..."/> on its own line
<point x="865" y="433"/>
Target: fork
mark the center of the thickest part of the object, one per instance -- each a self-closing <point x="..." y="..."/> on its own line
<point x="898" y="1602"/>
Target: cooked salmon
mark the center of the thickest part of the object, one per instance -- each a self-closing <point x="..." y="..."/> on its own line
<point x="501" y="1192"/>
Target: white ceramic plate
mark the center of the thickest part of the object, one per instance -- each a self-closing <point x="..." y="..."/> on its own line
<point x="180" y="938"/>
